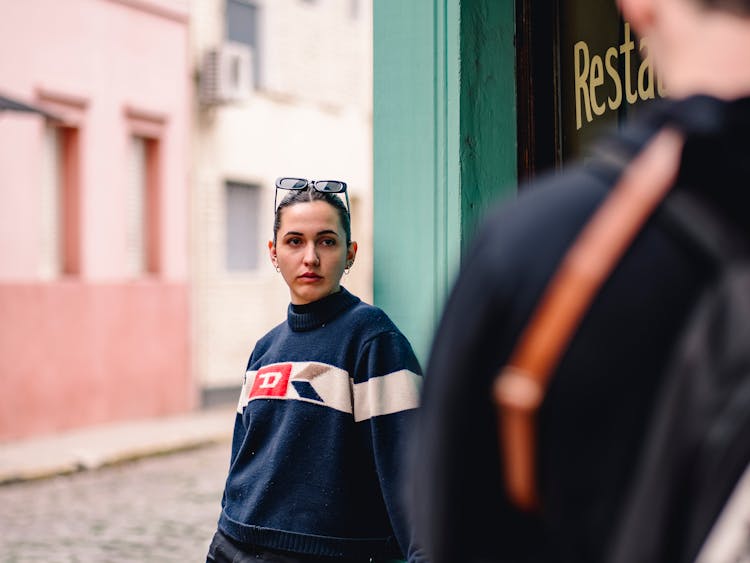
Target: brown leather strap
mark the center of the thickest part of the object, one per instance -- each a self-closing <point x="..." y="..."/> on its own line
<point x="520" y="386"/>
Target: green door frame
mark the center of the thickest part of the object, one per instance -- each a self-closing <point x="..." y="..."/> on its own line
<point x="444" y="145"/>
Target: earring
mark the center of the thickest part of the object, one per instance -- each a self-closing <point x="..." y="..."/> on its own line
<point x="277" y="268"/>
<point x="348" y="267"/>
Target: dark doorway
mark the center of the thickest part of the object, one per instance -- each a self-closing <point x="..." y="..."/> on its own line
<point x="537" y="84"/>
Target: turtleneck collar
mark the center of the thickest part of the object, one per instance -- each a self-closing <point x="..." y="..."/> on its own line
<point x="316" y="314"/>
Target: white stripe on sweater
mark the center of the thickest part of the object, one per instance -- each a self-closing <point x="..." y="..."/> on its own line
<point x="395" y="392"/>
<point x="391" y="393"/>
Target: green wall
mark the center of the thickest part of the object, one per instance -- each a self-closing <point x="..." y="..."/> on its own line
<point x="444" y="140"/>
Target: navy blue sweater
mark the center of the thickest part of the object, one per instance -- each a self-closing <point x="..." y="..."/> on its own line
<point x="321" y="425"/>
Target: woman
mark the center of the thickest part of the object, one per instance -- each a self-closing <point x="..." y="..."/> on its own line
<point x="327" y="400"/>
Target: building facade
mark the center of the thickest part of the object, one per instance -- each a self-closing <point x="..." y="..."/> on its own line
<point x="136" y="197"/>
<point x="94" y="299"/>
<point x="284" y="90"/>
<point x="469" y="97"/>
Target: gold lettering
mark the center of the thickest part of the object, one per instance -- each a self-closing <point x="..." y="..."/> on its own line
<point x="592" y="72"/>
<point x="597" y="79"/>
<point x="646" y="73"/>
<point x="626" y="48"/>
<point x="581" y="75"/>
<point x="612" y="71"/>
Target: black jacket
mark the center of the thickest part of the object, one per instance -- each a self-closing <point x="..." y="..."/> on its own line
<point x="592" y="421"/>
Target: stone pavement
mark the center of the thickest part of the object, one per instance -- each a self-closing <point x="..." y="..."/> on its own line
<point x="157" y="509"/>
<point x="112" y="443"/>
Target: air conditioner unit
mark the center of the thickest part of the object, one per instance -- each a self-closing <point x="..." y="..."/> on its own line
<point x="226" y="74"/>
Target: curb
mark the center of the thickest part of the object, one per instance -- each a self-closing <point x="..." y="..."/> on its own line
<point x="110" y="444"/>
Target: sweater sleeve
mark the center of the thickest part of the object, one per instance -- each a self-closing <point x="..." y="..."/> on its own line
<point x="386" y="399"/>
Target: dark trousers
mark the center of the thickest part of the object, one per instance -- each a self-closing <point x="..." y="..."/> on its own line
<point x="224" y="549"/>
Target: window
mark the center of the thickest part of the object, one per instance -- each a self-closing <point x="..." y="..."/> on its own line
<point x="141" y="207"/>
<point x="59" y="254"/>
<point x="242" y="26"/>
<point x="243" y="232"/>
<point x="580" y="71"/>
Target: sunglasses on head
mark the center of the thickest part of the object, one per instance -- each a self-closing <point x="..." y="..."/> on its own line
<point x="324" y="186"/>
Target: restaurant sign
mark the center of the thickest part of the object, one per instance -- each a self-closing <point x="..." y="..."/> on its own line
<point x="605" y="72"/>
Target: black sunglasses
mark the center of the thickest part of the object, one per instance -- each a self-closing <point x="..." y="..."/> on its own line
<point x="324" y="186"/>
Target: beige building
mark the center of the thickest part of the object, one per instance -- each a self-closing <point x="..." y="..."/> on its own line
<point x="284" y="89"/>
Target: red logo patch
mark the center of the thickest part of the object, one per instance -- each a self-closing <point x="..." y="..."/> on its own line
<point x="271" y="381"/>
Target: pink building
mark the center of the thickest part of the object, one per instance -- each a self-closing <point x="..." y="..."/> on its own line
<point x="94" y="311"/>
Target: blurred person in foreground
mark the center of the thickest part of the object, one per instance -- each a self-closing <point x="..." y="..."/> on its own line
<point x="593" y="418"/>
<point x="328" y="397"/>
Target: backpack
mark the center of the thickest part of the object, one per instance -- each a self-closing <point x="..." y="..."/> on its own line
<point x="698" y="442"/>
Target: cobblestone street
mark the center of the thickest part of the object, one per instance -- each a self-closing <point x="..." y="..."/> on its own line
<point x="157" y="509"/>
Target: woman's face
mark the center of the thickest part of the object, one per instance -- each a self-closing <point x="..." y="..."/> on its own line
<point x="311" y="251"/>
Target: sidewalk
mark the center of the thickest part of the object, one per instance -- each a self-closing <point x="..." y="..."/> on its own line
<point x="107" y="444"/>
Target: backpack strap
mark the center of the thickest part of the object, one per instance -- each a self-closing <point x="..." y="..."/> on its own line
<point x="519" y="387"/>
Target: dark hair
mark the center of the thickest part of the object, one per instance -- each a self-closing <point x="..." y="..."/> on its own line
<point x="737" y="7"/>
<point x="307" y="195"/>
